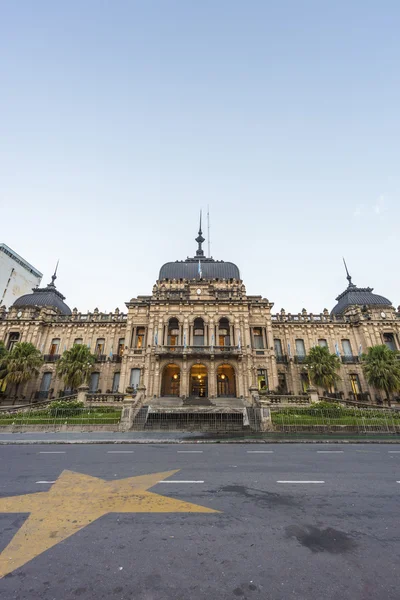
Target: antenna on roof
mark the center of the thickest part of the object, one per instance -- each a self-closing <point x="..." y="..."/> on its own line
<point x="348" y="276"/>
<point x="208" y="231"/>
<point x="54" y="277"/>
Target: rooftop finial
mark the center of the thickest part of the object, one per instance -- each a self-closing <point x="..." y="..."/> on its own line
<point x="200" y="240"/>
<point x="348" y="276"/>
<point x="54" y="277"/>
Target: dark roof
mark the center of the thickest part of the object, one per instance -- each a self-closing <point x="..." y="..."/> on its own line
<point x="189" y="269"/>
<point x="48" y="296"/>
<point x="355" y="296"/>
<point x="199" y="267"/>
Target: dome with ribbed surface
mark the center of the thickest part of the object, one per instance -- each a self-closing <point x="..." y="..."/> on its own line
<point x="355" y="296"/>
<point x="47" y="297"/>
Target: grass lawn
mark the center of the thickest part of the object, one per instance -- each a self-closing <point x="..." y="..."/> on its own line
<point x="363" y="419"/>
<point x="43" y="418"/>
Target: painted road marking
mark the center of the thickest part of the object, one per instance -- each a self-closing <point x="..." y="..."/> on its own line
<point x="75" y="501"/>
<point x="369" y="451"/>
<point x="46" y="481"/>
<point x="330" y="451"/>
<point x="305" y="481"/>
<point x="52" y="452"/>
<point x="180" y="481"/>
<point x="260" y="451"/>
<point x="394" y="451"/>
<point x="120" y="451"/>
<point x="190" y="451"/>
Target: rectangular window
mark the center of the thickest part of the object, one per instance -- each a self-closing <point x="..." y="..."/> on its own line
<point x="282" y="385"/>
<point x="78" y="342"/>
<point x="94" y="383"/>
<point x="305" y="383"/>
<point x="355" y="383"/>
<point x="262" y="380"/>
<point x="347" y="351"/>
<point x="100" y="345"/>
<point x="121" y="345"/>
<point x="140" y="332"/>
<point x="135" y="378"/>
<point x="300" y="348"/>
<point x="115" y="384"/>
<point x="46" y="381"/>
<point x="388" y="340"/>
<point x="13" y="339"/>
<point x="198" y="337"/>
<point x="278" y="347"/>
<point x="258" y="338"/>
<point x="54" y="346"/>
<point x="323" y="343"/>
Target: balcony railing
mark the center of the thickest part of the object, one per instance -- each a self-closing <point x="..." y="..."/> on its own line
<point x="347" y="359"/>
<point x="51" y="357"/>
<point x="116" y="358"/>
<point x="300" y="358"/>
<point x="202" y="350"/>
<point x="282" y="359"/>
<point x="101" y="358"/>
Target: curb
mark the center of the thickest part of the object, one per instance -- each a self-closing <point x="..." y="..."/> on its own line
<point x="180" y="441"/>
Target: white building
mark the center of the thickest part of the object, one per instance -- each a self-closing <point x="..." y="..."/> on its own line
<point x="17" y="276"/>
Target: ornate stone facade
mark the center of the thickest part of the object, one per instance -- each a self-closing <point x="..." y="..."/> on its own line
<point x="199" y="335"/>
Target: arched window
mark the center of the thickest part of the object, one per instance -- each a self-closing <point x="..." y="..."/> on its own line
<point x="78" y="342"/>
<point x="224" y="338"/>
<point x="173" y="332"/>
<point x="198" y="332"/>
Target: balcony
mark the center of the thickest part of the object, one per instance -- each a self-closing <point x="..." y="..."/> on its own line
<point x="282" y="359"/>
<point x="197" y="350"/>
<point x="101" y="358"/>
<point x="51" y="357"/>
<point x="300" y="359"/>
<point x="349" y="359"/>
<point x="116" y="358"/>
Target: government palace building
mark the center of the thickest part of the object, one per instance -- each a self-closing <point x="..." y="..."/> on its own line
<point x="199" y="337"/>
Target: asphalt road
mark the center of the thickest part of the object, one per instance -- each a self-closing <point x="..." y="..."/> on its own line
<point x="293" y="521"/>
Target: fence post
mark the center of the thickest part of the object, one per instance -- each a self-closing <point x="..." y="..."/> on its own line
<point x="313" y="395"/>
<point x="82" y="393"/>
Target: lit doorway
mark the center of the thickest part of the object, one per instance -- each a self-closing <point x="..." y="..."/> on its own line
<point x="199" y="381"/>
<point x="171" y="380"/>
<point x="226" y="384"/>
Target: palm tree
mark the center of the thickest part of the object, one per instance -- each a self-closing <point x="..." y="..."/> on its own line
<point x="322" y="367"/>
<point x="21" y="364"/>
<point x="3" y="368"/>
<point x="381" y="368"/>
<point x="75" y="366"/>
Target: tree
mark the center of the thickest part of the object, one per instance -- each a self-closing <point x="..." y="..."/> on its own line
<point x="75" y="366"/>
<point x="3" y="368"/>
<point x="21" y="364"/>
<point x="322" y="367"/>
<point x="381" y="368"/>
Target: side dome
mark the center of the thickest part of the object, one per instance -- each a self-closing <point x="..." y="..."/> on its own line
<point x="47" y="297"/>
<point x="355" y="296"/>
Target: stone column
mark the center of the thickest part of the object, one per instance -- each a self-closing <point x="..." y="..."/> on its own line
<point x="82" y="393"/>
<point x="212" y="380"/>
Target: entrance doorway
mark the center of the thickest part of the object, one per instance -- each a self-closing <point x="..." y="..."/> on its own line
<point x="226" y="384"/>
<point x="199" y="381"/>
<point x="171" y="380"/>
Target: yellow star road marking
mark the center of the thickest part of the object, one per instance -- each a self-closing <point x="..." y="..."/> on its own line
<point x="74" y="501"/>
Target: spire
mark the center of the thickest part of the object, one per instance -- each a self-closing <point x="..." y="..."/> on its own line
<point x="348" y="276"/>
<point x="200" y="240"/>
<point x="54" y="277"/>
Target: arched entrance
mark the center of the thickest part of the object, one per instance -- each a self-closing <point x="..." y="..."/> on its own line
<point x="198" y="381"/>
<point x="226" y="381"/>
<point x="171" y="379"/>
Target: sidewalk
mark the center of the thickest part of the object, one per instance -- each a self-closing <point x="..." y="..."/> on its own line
<point x="179" y="437"/>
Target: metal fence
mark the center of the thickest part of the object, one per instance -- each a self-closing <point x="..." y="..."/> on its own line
<point x="56" y="419"/>
<point x="148" y="419"/>
<point x="335" y="420"/>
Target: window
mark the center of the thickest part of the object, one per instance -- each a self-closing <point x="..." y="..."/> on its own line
<point x="78" y="342"/>
<point x="94" y="383"/>
<point x="305" y="383"/>
<point x="282" y="385"/>
<point x="135" y="378"/>
<point x="121" y="345"/>
<point x="355" y="383"/>
<point x="278" y="347"/>
<point x="99" y="349"/>
<point x="258" y="337"/>
<point x="224" y="338"/>
<point x="13" y="339"/>
<point x="140" y="333"/>
<point x="347" y="351"/>
<point x="115" y="384"/>
<point x="46" y="381"/>
<point x="300" y="348"/>
<point x="323" y="343"/>
<point x="173" y="332"/>
<point x="198" y="333"/>
<point x="388" y="339"/>
<point x="262" y="380"/>
<point x="54" y="346"/>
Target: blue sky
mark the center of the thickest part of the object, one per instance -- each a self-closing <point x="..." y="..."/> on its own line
<point x="120" y="120"/>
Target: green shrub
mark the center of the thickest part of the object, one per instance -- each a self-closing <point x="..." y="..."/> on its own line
<point x="63" y="408"/>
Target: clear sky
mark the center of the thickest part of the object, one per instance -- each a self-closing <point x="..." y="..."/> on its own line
<point x="119" y="120"/>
